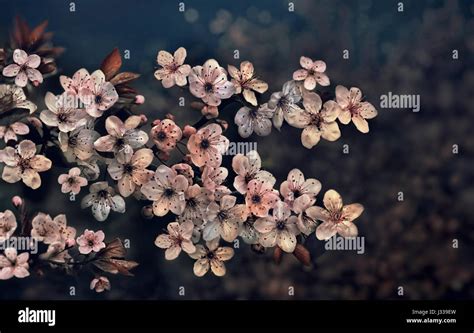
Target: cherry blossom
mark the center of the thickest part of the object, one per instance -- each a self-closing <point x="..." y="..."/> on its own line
<point x="24" y="68"/>
<point x="173" y="70"/>
<point x="23" y="164"/>
<point x="78" y="144"/>
<point x="247" y="167"/>
<point x="7" y="225"/>
<point x="132" y="172"/>
<point x="317" y="122"/>
<point x="246" y="83"/>
<point x="211" y="256"/>
<point x="91" y="241"/>
<point x="284" y="103"/>
<point x="97" y="94"/>
<point x="12" y="96"/>
<point x="354" y="109"/>
<point x="336" y="217"/>
<point x="166" y="190"/>
<point x="10" y="132"/>
<point x="197" y="200"/>
<point x="207" y="145"/>
<point x="122" y="137"/>
<point x="13" y="264"/>
<point x="260" y="197"/>
<point x="100" y="284"/>
<point x="279" y="229"/>
<point x="61" y="114"/>
<point x="209" y="82"/>
<point x="72" y="181"/>
<point x="79" y="80"/>
<point x="177" y="239"/>
<point x="256" y="120"/>
<point x="296" y="187"/>
<point x="311" y="73"/>
<point x="184" y="169"/>
<point x="102" y="198"/>
<point x="166" y="134"/>
<point x="224" y="219"/>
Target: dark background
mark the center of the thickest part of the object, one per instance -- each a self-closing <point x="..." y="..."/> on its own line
<point x="408" y="243"/>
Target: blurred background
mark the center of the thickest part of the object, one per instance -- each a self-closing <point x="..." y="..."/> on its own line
<point x="407" y="244"/>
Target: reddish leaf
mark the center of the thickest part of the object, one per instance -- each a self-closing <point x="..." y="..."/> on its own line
<point x="38" y="32"/>
<point x="302" y="254"/>
<point x="116" y="266"/>
<point x="124" y="78"/>
<point x="111" y="64"/>
<point x="114" y="249"/>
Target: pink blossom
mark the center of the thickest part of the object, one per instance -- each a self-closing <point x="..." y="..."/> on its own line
<point x="100" y="284"/>
<point x="91" y="241"/>
<point x="11" y="131"/>
<point x="166" y="190"/>
<point x="24" y="68"/>
<point x="122" y="137"/>
<point x="23" y="164"/>
<point x="279" y="229"/>
<point x="209" y="82"/>
<point x="312" y="73"/>
<point x="7" y="225"/>
<point x="97" y="94"/>
<point x="211" y="257"/>
<point x="260" y="197"/>
<point x="103" y="199"/>
<point x="177" y="239"/>
<point x="336" y="217"/>
<point x="296" y="186"/>
<point x="13" y="265"/>
<point x="72" y="181"/>
<point x="173" y="70"/>
<point x="207" y="146"/>
<point x="132" y="172"/>
<point x="62" y="113"/>
<point x="246" y="83"/>
<point x="166" y="134"/>
<point x="247" y="167"/>
<point x="224" y="219"/>
<point x="79" y="80"/>
<point x="354" y="109"/>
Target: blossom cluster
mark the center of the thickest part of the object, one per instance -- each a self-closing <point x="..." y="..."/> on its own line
<point x="120" y="155"/>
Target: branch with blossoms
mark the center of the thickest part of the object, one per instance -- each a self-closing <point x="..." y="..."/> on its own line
<point x="104" y="145"/>
<point x="54" y="246"/>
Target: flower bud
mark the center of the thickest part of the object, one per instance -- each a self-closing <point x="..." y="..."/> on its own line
<point x="17" y="201"/>
<point x="147" y="212"/>
<point x="139" y="99"/>
<point x="170" y="116"/>
<point x="188" y="131"/>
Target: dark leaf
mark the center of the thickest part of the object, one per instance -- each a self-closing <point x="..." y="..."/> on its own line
<point x="124" y="90"/>
<point x="124" y="78"/>
<point x="114" y="249"/>
<point x="116" y="266"/>
<point x="111" y="64"/>
<point x="13" y="115"/>
<point x="302" y="254"/>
